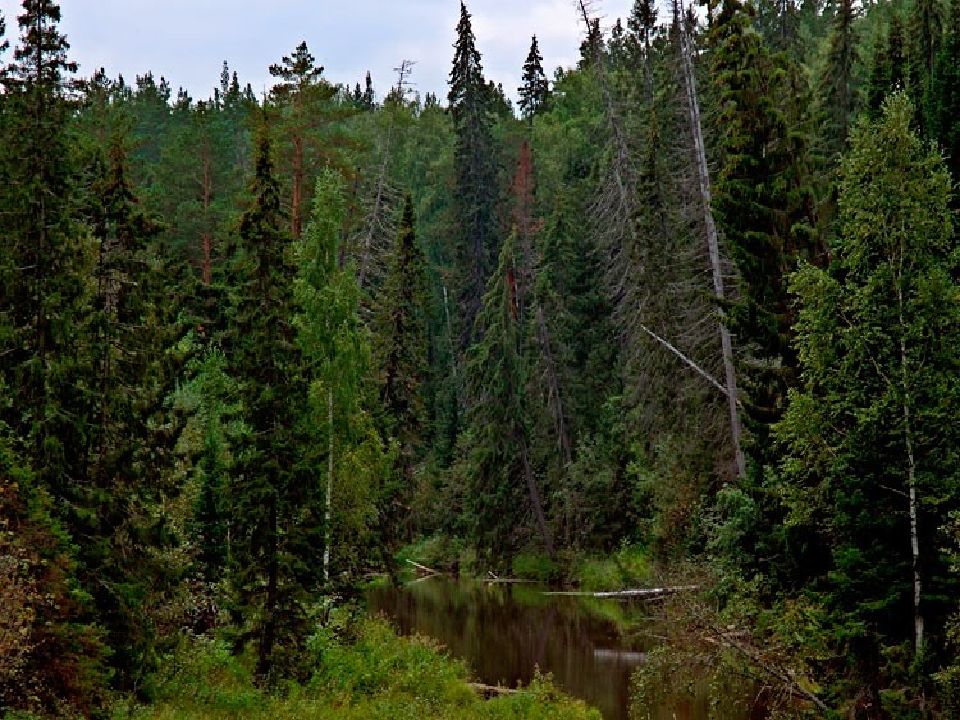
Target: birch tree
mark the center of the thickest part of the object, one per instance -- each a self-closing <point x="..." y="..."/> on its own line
<point x="869" y="438"/>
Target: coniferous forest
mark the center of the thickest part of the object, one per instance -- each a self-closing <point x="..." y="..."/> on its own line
<point x="683" y="318"/>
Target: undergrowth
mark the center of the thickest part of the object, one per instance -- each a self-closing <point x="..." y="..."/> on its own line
<point x="372" y="675"/>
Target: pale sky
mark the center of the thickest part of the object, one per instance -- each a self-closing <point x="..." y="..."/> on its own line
<point x="187" y="41"/>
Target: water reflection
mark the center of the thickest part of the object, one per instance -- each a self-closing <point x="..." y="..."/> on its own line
<point x="505" y="631"/>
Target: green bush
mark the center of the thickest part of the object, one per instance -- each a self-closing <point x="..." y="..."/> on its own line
<point x="629" y="567"/>
<point x="364" y="673"/>
<point x="536" y="566"/>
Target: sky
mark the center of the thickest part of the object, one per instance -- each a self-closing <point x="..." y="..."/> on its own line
<point x="187" y="41"/>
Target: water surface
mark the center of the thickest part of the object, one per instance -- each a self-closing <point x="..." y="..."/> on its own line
<point x="505" y="631"/>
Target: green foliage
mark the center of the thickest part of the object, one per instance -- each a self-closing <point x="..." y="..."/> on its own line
<point x="275" y="507"/>
<point x="536" y="90"/>
<point x="535" y="566"/>
<point x="374" y="675"/>
<point x="336" y="347"/>
<point x="628" y="567"/>
<point x="877" y="342"/>
<point x="475" y="166"/>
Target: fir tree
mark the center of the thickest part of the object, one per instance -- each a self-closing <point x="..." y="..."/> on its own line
<point x="403" y="340"/>
<point x="275" y="514"/>
<point x="945" y="93"/>
<point x="764" y="209"/>
<point x="535" y="90"/>
<point x="838" y="91"/>
<point x="503" y="490"/>
<point x="475" y="165"/>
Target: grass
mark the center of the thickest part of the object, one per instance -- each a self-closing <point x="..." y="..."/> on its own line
<point x="629" y="567"/>
<point x="378" y="676"/>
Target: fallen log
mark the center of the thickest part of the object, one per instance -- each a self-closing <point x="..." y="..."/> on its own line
<point x="424" y="568"/>
<point x="648" y="593"/>
<point x="487" y="692"/>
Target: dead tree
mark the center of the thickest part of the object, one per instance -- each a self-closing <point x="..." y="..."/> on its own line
<point x="713" y="243"/>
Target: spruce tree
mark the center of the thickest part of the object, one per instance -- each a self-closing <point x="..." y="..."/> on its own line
<point x="368" y="100"/>
<point x="476" y="191"/>
<point x="888" y="70"/>
<point x="535" y="90"/>
<point x="763" y="207"/>
<point x="45" y="296"/>
<point x="402" y="343"/>
<point x="126" y="454"/>
<point x="838" y="93"/>
<point x="276" y="523"/>
<point x="503" y="490"/>
<point x="925" y="26"/>
<point x="945" y="93"/>
<point x="402" y="333"/>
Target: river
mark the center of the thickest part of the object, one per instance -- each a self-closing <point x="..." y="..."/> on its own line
<point x="505" y="631"/>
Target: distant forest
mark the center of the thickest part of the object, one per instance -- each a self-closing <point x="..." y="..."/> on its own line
<point x="698" y="294"/>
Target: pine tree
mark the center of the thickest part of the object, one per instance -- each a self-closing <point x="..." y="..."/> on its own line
<point x="869" y="450"/>
<point x="475" y="164"/>
<point x="535" y="90"/>
<point x="276" y="521"/>
<point x="302" y="97"/>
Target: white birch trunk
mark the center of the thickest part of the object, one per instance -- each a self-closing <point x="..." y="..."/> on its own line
<point x="328" y="533"/>
<point x="911" y="470"/>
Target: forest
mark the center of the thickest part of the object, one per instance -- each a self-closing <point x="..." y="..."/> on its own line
<point x="683" y="316"/>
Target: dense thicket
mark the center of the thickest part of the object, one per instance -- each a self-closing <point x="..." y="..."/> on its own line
<point x="250" y="347"/>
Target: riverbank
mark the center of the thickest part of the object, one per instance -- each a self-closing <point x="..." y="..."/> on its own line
<point x="366" y="673"/>
<point x="628" y="566"/>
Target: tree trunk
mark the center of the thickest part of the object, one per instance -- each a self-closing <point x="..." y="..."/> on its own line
<point x="328" y="534"/>
<point x="713" y="243"/>
<point x="535" y="499"/>
<point x="911" y="469"/>
<point x="555" y="396"/>
<point x="207" y="240"/>
<point x="296" y="218"/>
<point x="268" y="636"/>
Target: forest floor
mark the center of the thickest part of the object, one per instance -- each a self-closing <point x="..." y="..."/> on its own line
<point x="364" y="673"/>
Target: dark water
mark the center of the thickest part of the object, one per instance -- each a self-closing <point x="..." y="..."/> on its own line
<point x="505" y="631"/>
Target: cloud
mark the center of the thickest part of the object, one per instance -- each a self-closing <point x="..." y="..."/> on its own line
<point x="187" y="40"/>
